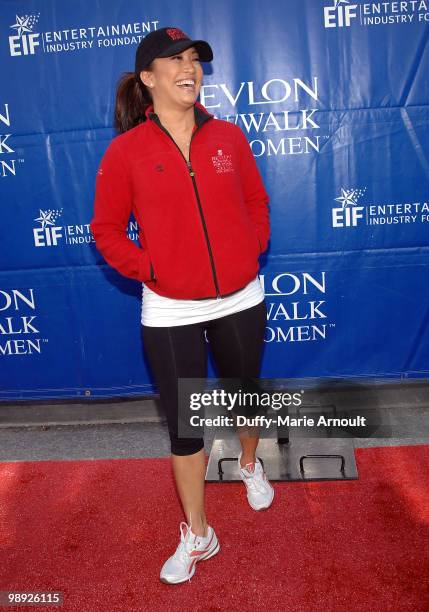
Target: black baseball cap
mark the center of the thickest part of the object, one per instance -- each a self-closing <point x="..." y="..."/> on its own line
<point x="166" y="42"/>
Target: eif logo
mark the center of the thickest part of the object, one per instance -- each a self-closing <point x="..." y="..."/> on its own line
<point x="49" y="233"/>
<point x="349" y="213"/>
<point x="25" y="41"/>
<point x="339" y="15"/>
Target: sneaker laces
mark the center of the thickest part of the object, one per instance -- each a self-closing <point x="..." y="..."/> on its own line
<point x="255" y="480"/>
<point x="186" y="544"/>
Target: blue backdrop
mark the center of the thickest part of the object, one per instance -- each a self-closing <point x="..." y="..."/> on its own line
<point x="333" y="97"/>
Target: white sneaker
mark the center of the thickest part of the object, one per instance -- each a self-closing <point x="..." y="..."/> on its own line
<point x="260" y="493"/>
<point x="192" y="548"/>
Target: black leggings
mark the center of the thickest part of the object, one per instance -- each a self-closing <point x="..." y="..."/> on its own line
<point x="236" y="343"/>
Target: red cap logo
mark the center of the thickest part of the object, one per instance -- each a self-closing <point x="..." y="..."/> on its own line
<point x="176" y="34"/>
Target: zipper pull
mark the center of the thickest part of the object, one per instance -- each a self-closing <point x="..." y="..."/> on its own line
<point x="191" y="172"/>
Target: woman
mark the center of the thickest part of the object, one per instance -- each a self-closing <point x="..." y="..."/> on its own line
<point x="193" y="186"/>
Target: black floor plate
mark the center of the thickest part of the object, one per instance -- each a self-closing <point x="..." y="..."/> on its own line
<point x="282" y="461"/>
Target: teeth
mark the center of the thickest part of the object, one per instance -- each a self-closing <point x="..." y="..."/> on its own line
<point x="186" y="82"/>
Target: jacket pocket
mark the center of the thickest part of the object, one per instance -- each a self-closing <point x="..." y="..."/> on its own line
<point x="146" y="269"/>
<point x="152" y="272"/>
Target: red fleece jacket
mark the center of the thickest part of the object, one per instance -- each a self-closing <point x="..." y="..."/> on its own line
<point x="203" y="224"/>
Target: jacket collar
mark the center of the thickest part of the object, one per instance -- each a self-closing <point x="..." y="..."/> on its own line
<point x="201" y="114"/>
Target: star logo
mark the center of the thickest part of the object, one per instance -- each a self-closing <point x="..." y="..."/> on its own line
<point x="48" y="217"/>
<point x="25" y="23"/>
<point x="350" y="197"/>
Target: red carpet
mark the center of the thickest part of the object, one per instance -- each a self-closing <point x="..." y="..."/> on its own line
<point x="100" y="530"/>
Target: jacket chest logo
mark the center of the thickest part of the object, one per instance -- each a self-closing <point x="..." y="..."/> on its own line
<point x="222" y="162"/>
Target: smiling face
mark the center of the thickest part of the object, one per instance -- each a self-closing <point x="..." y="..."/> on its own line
<point x="174" y="81"/>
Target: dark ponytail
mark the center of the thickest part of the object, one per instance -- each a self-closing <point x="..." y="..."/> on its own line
<point x="132" y="100"/>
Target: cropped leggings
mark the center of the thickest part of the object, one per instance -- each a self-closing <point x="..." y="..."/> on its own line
<point x="236" y="344"/>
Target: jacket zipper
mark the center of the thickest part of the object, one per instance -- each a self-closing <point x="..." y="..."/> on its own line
<point x="200" y="208"/>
